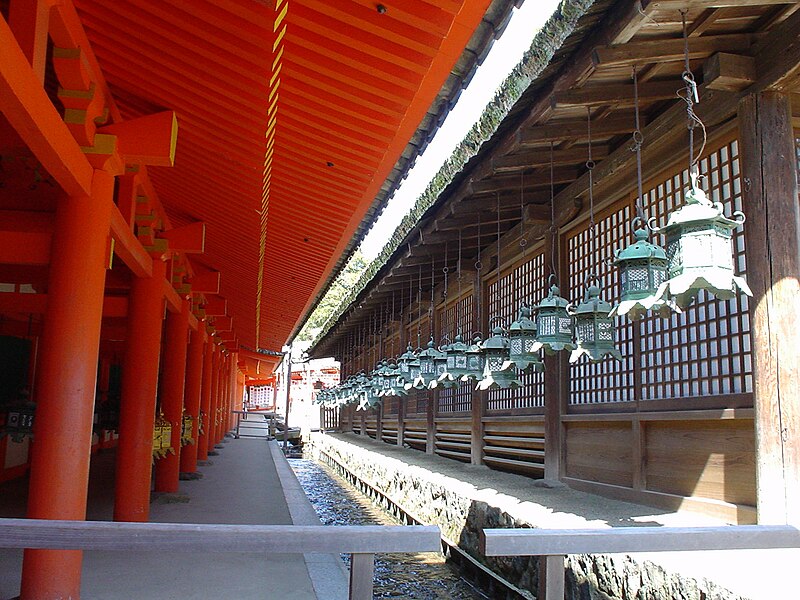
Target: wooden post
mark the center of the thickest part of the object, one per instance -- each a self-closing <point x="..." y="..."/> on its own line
<point x="213" y="413"/>
<point x="138" y="402"/>
<point x="65" y="383"/>
<point x="769" y="186"/>
<point x="362" y="570"/>
<point x="478" y="398"/>
<point x="551" y="586"/>
<point x="556" y="391"/>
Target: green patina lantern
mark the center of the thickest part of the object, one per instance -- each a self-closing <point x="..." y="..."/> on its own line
<point x="642" y="270"/>
<point x="594" y="328"/>
<point x="404" y="363"/>
<point x="554" y="325"/>
<point x="699" y="250"/>
<point x="19" y="421"/>
<point x="475" y="360"/>
<point x="456" y="362"/>
<point x="499" y="371"/>
<point x="440" y="364"/>
<point x="522" y="341"/>
<point x="383" y="379"/>
<point x="427" y="366"/>
<point x="398" y="381"/>
<point x="414" y="372"/>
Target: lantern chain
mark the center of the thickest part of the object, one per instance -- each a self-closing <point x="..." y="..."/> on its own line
<point x="690" y="96"/>
<point x="419" y="309"/>
<point x="636" y="146"/>
<point x="497" y="284"/>
<point x="445" y="271"/>
<point x="430" y="308"/>
<point x="590" y="164"/>
<point x="553" y="227"/>
<point x="457" y="325"/>
<point x="478" y="267"/>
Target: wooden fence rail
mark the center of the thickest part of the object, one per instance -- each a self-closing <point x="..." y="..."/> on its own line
<point x="555" y="544"/>
<point x="362" y="542"/>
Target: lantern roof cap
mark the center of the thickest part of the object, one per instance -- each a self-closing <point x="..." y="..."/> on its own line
<point x="458" y="345"/>
<point x="642" y="248"/>
<point x="553" y="299"/>
<point x="698" y="207"/>
<point x="497" y="341"/>
<point x="523" y="323"/>
<point x="430" y="350"/>
<point x="592" y="303"/>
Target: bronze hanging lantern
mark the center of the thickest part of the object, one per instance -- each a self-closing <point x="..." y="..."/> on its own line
<point x="475" y="360"/>
<point x="642" y="270"/>
<point x="699" y="251"/>
<point x="398" y="381"/>
<point x="554" y="324"/>
<point x="643" y="264"/>
<point x="427" y="366"/>
<point x="440" y="364"/>
<point x="19" y="421"/>
<point x="594" y="328"/>
<point x="499" y="371"/>
<point x="456" y="361"/>
<point x="404" y="363"/>
<point x="522" y="340"/>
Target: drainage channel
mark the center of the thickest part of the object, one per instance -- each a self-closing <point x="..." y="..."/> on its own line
<point x="421" y="576"/>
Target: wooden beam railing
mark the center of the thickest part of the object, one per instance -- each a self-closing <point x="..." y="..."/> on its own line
<point x="555" y="544"/>
<point x="362" y="542"/>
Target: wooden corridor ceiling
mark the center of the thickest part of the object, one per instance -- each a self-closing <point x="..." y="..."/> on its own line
<point x="292" y="114"/>
<point x="590" y="74"/>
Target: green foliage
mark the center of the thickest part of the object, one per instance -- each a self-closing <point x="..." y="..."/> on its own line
<point x="544" y="46"/>
<point x="332" y="302"/>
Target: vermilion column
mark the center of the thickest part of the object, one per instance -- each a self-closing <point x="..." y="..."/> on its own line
<point x="205" y="399"/>
<point x="223" y="395"/>
<point x="194" y="376"/>
<point x="65" y="383"/>
<point x="138" y="402"/>
<point x="172" y="388"/>
<point x="212" y="416"/>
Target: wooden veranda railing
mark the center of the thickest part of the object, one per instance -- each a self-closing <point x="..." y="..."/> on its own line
<point x="361" y="542"/>
<point x="555" y="544"/>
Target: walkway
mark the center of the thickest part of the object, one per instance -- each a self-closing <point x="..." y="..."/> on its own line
<point x="248" y="483"/>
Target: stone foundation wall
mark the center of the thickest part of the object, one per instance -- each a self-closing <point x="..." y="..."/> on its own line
<point x="462" y="511"/>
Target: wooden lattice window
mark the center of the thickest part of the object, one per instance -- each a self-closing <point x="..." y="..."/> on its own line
<point x="455" y="318"/>
<point x="706" y="350"/>
<point x="525" y="282"/>
<point x="609" y="380"/>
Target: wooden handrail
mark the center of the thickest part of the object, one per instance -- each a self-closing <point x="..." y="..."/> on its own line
<point x="362" y="542"/>
<point x="285" y="539"/>
<point x="544" y="542"/>
<point x="554" y="544"/>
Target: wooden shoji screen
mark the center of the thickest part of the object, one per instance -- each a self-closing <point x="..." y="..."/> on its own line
<point x="706" y="350"/>
<point x="417" y="400"/>
<point x="455" y="318"/>
<point x="525" y="282"/>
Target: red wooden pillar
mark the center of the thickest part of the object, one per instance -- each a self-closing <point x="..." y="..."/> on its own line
<point x="65" y="383"/>
<point x="172" y="387"/>
<point x="194" y="375"/>
<point x="205" y="398"/>
<point x="103" y="382"/>
<point x="138" y="402"/>
<point x="214" y="405"/>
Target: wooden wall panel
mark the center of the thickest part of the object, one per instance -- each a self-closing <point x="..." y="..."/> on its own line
<point x="600" y="451"/>
<point x="708" y="459"/>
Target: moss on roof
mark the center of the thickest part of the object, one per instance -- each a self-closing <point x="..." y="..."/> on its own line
<point x="544" y="46"/>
